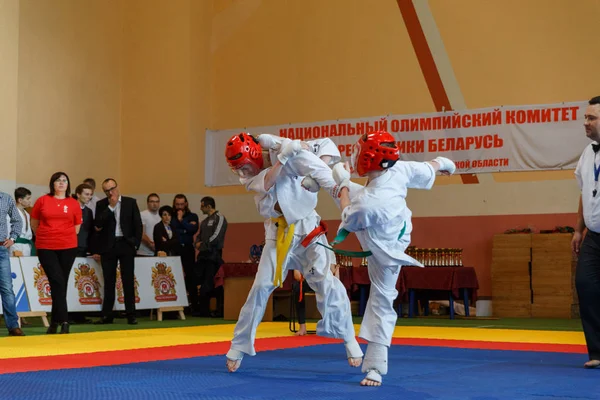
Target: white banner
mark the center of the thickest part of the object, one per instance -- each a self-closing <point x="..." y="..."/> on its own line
<point x="158" y="283"/>
<point x="85" y="288"/>
<point x="520" y="138"/>
<point x="36" y="283"/>
<point x="161" y="282"/>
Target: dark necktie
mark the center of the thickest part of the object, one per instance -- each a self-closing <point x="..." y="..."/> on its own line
<point x="596" y="147"/>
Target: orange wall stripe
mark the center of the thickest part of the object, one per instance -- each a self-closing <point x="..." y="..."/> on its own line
<point x="427" y="64"/>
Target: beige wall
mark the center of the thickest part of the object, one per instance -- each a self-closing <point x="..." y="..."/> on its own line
<point x="156" y="96"/>
<point x="519" y="52"/>
<point x="127" y="88"/>
<point x="351" y="58"/>
<point x="104" y="86"/>
<point x="69" y="87"/>
<point x="124" y="82"/>
<point x="201" y="13"/>
<point x="9" y="70"/>
<point x="295" y="61"/>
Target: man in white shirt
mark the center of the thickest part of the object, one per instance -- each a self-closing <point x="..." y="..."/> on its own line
<point x="150" y="218"/>
<point x="23" y="246"/>
<point x="587" y="277"/>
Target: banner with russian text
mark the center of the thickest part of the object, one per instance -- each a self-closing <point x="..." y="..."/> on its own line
<point x="500" y="139"/>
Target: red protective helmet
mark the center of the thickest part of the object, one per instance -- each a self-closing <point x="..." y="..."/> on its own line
<point x="243" y="149"/>
<point x="375" y="151"/>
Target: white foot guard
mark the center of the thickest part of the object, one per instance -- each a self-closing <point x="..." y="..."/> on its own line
<point x="373" y="378"/>
<point x="353" y="353"/>
<point x="234" y="360"/>
<point x="375" y="364"/>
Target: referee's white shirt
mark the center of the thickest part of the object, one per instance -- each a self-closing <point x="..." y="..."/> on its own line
<point x="587" y="183"/>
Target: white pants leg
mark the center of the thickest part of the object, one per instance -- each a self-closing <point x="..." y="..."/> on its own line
<point x="253" y="310"/>
<point x="314" y="262"/>
<point x="331" y="296"/>
<point x="380" y="317"/>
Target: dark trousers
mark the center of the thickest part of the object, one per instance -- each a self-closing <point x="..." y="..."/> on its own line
<point x="207" y="269"/>
<point x="587" y="281"/>
<point x="58" y="264"/>
<point x="122" y="253"/>
<point x="188" y="261"/>
<point x="82" y="252"/>
<point x="300" y="304"/>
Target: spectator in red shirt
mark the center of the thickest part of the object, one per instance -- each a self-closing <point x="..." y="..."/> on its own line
<point x="56" y="219"/>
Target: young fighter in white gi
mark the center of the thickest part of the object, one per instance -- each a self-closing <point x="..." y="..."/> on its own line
<point x="378" y="214"/>
<point x="325" y="149"/>
<point x="291" y="219"/>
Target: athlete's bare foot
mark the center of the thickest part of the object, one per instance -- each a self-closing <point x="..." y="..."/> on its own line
<point x="372" y="379"/>
<point x="353" y="353"/>
<point x="355" y="361"/>
<point x="233" y="365"/>
<point x="592" y="364"/>
<point x="301" y="330"/>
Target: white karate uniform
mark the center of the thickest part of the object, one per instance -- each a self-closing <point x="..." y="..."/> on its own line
<point x="319" y="147"/>
<point x="298" y="207"/>
<point x="26" y="233"/>
<point x="377" y="214"/>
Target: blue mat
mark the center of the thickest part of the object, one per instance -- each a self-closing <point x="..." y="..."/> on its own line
<point x="320" y="372"/>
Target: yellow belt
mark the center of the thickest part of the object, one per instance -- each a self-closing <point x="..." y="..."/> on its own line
<point x="283" y="246"/>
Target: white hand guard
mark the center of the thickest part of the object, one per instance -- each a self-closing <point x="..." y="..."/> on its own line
<point x="340" y="174"/>
<point x="289" y="149"/>
<point x="310" y="184"/>
<point x="268" y="141"/>
<point x="445" y="164"/>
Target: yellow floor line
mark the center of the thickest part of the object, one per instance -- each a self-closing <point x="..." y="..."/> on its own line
<point x="48" y="345"/>
<point x="490" y="335"/>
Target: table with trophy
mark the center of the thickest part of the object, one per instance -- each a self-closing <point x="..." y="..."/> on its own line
<point x="444" y="277"/>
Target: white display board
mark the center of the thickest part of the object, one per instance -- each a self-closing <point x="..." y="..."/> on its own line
<point x="159" y="282"/>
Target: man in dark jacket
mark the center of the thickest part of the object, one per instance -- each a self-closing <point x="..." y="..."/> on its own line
<point x="210" y="243"/>
<point x="185" y="223"/>
<point x="83" y="194"/>
<point x="119" y="227"/>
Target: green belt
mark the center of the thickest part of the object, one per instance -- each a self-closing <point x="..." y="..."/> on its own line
<point x="27" y="241"/>
<point x="343" y="234"/>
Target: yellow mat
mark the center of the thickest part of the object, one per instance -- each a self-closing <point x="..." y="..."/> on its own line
<point x="79" y="343"/>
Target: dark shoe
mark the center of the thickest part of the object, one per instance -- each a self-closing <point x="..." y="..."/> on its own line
<point x="80" y="321"/>
<point x="15" y="332"/>
<point x="131" y="321"/>
<point x="64" y="328"/>
<point x="104" y="321"/>
<point x="52" y="328"/>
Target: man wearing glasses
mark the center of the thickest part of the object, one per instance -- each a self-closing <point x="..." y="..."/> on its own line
<point x="119" y="227"/>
